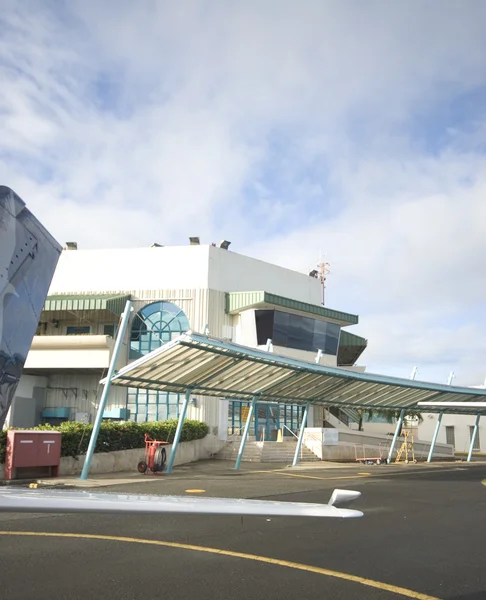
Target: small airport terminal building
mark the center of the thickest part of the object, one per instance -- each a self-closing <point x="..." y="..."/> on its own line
<point x="202" y="288"/>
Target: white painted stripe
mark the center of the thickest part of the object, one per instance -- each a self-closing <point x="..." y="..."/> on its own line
<point x="26" y="441"/>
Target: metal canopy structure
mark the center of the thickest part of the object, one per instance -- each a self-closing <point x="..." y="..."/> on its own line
<point x="194" y="363"/>
<point x="67" y="302"/>
<point x="218" y="368"/>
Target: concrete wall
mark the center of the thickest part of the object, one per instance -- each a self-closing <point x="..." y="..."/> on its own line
<point x="327" y="360"/>
<point x="461" y="426"/>
<point x="70" y="352"/>
<point x="188" y="267"/>
<point x="127" y="460"/>
<point x="232" y="272"/>
<point x="367" y="445"/>
<point x="28" y="402"/>
<point x="131" y="269"/>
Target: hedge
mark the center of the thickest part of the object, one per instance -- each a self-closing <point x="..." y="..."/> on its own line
<point x="115" y="435"/>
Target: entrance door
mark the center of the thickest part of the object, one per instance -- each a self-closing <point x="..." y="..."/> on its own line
<point x="266" y="422"/>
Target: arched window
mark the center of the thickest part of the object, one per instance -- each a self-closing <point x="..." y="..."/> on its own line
<point x="154" y="325"/>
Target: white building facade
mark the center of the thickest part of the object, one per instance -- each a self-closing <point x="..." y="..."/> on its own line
<point x="203" y="288"/>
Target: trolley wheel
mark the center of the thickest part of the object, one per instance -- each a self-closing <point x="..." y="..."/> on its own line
<point x="142" y="466"/>
<point x="159" y="459"/>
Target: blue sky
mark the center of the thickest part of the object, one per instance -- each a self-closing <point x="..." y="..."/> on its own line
<point x="356" y="129"/>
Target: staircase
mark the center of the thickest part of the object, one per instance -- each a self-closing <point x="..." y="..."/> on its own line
<point x="279" y="452"/>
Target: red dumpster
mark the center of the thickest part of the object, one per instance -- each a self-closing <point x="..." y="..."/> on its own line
<point x="32" y="454"/>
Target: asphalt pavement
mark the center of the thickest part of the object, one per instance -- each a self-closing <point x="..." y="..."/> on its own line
<point x="422" y="537"/>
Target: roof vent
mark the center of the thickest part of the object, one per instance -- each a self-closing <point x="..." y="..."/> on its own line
<point x="71" y="245"/>
<point x="155" y="245"/>
<point x="224" y="244"/>
<point x="194" y="241"/>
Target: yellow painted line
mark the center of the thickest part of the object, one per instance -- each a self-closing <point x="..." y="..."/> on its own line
<point x="483" y="481"/>
<point x="254" y="557"/>
<point x="195" y="491"/>
<point x="364" y="473"/>
<point x="322" y="478"/>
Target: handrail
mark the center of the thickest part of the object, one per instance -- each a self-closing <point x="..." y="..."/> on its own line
<point x="288" y="428"/>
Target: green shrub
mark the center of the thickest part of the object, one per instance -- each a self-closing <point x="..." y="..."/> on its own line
<point x="115" y="435"/>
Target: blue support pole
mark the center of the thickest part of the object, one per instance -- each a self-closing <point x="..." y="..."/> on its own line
<point x="301" y="434"/>
<point x="178" y="432"/>
<point x="434" y="439"/>
<point x="395" y="437"/>
<point x="106" y="390"/>
<point x="245" y="433"/>
<point x="473" y="438"/>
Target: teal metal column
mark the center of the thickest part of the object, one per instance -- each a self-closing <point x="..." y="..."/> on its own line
<point x="245" y="433"/>
<point x="395" y="437"/>
<point x="301" y="434"/>
<point x="106" y="390"/>
<point x="473" y="438"/>
<point x="178" y="432"/>
<point x="434" y="439"/>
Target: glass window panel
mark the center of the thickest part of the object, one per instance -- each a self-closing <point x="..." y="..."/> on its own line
<point x="332" y="338"/>
<point x="281" y="324"/>
<point x="264" y="325"/>
<point x="295" y="332"/>
<point x="154" y="325"/>
<point x="109" y="329"/>
<point x="75" y="330"/>
<point x="320" y="330"/>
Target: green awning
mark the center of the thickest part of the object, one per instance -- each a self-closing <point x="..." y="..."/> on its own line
<point x="238" y="301"/>
<point x="351" y="347"/>
<point x="112" y="303"/>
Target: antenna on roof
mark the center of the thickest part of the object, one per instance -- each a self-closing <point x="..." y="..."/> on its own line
<point x="323" y="270"/>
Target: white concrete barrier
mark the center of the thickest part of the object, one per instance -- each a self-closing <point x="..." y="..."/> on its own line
<point x="127" y="460"/>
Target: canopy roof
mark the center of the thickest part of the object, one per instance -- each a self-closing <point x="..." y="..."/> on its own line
<point x="236" y="302"/>
<point x="214" y="367"/>
<point x="80" y="302"/>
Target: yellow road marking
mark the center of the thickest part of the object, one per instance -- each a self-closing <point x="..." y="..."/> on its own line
<point x="483" y="481"/>
<point x="323" y="478"/>
<point x="263" y="559"/>
<point x="364" y="473"/>
<point x="195" y="491"/>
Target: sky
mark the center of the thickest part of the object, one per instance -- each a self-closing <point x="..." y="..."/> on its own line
<point x="352" y="129"/>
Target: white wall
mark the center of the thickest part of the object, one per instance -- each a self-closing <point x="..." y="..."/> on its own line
<point x="245" y="329"/>
<point x="461" y="426"/>
<point x="232" y="272"/>
<point x="25" y="392"/>
<point x="326" y="359"/>
<point x="131" y="269"/>
<point x="177" y="267"/>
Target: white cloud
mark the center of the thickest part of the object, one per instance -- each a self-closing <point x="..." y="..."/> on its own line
<point x="286" y="128"/>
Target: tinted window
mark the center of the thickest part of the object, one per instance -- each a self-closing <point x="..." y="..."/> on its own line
<point x="295" y="331"/>
<point x="281" y="329"/>
<point x="77" y="330"/>
<point x="332" y="338"/>
<point x="264" y="326"/>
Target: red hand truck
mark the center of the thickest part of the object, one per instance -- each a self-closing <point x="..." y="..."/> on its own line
<point x="155" y="456"/>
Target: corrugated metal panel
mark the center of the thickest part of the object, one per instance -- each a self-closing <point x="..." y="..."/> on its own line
<point x="350" y="339"/>
<point x="114" y="304"/>
<point x="223" y="369"/>
<point x="81" y="392"/>
<point x="351" y="347"/>
<point x="218" y="318"/>
<point x="238" y="301"/>
<point x="192" y="301"/>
